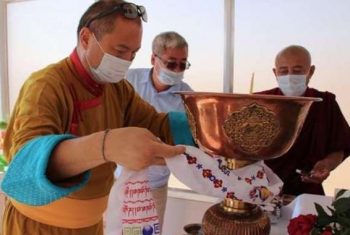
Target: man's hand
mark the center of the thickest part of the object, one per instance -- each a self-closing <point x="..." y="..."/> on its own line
<point x="318" y="174"/>
<point x="322" y="168"/>
<point x="136" y="148"/>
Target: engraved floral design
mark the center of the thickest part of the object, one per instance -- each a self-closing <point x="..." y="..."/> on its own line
<point x="252" y="128"/>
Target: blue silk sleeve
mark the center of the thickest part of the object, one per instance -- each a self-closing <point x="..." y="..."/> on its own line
<point x="25" y="180"/>
<point x="180" y="129"/>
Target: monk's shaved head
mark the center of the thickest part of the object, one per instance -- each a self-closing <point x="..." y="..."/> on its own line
<point x="294" y="60"/>
<point x="294" y="51"/>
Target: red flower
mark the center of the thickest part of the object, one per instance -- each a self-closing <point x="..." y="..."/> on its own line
<point x="327" y="231"/>
<point x="302" y="225"/>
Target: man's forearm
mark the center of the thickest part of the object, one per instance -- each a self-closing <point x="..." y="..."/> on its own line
<point x="75" y="156"/>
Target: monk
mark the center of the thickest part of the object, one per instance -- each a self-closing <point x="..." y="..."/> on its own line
<point x="324" y="141"/>
<point x="74" y="121"/>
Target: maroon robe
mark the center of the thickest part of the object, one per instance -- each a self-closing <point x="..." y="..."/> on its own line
<point x="325" y="131"/>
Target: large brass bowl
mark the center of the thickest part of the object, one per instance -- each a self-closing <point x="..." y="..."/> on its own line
<point x="243" y="126"/>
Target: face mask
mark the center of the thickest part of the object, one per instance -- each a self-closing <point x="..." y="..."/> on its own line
<point x="292" y="85"/>
<point x="111" y="69"/>
<point x="170" y="78"/>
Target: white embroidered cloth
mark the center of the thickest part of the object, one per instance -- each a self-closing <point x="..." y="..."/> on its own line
<point x="204" y="174"/>
<point x="135" y="212"/>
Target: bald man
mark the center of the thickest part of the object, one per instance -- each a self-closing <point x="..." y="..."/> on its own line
<point x="324" y="141"/>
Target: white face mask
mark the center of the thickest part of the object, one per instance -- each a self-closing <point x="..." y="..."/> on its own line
<point x="170" y="78"/>
<point x="292" y="84"/>
<point x="111" y="68"/>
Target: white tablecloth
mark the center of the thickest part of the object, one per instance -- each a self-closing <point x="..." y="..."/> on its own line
<point x="186" y="207"/>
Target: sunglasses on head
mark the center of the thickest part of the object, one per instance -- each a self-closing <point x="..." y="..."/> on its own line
<point x="172" y="65"/>
<point x="129" y="10"/>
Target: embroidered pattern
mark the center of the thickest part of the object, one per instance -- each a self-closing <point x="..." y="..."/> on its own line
<point x="260" y="192"/>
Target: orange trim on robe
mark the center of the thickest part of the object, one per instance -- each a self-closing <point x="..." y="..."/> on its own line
<point x="66" y="212"/>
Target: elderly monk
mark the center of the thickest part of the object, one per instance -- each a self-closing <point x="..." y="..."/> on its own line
<point x="324" y="141"/>
<point x="74" y="121"/>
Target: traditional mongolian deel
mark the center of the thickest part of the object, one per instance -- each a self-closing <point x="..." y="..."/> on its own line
<point x="54" y="101"/>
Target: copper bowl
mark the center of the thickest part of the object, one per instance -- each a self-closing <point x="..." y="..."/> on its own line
<point x="245" y="127"/>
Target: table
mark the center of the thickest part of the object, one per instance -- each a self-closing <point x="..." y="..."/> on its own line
<point x="185" y="207"/>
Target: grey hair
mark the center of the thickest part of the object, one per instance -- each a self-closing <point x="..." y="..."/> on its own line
<point x="294" y="49"/>
<point x="167" y="40"/>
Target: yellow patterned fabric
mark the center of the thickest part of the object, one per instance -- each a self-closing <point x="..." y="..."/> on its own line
<point x="45" y="106"/>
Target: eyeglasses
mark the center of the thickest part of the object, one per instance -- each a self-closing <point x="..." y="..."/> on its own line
<point x="129" y="10"/>
<point x="172" y="65"/>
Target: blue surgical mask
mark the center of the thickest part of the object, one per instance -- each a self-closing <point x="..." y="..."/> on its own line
<point x="292" y="84"/>
<point x="111" y="68"/>
<point x="170" y="78"/>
